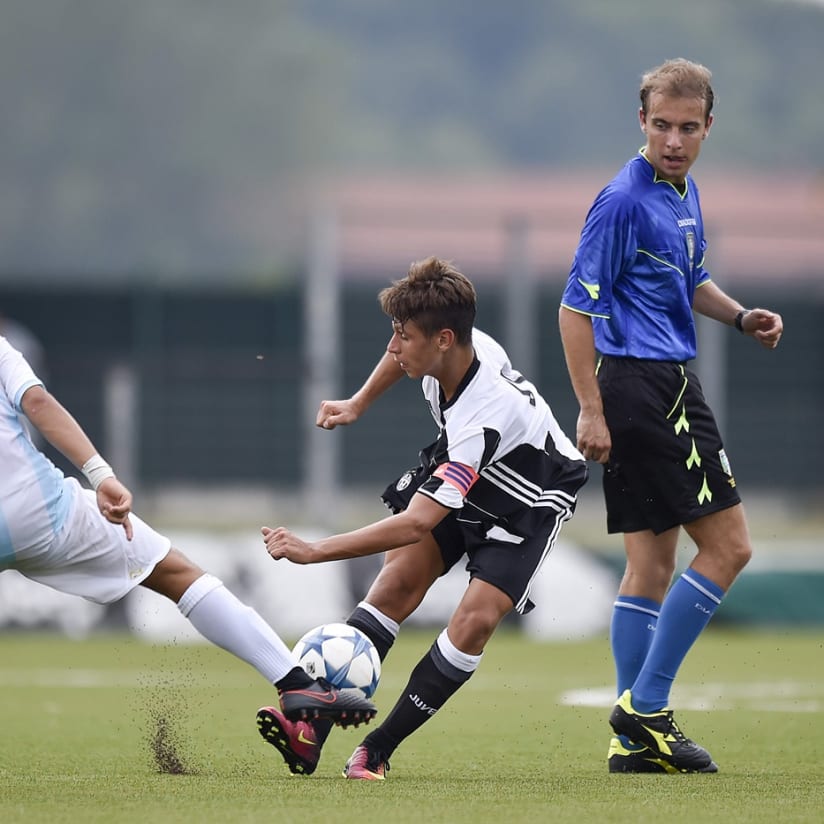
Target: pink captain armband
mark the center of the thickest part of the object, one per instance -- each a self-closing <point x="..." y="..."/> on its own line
<point x="96" y="470"/>
<point x="459" y="475"/>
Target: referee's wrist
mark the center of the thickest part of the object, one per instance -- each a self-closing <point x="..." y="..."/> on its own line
<point x="739" y="320"/>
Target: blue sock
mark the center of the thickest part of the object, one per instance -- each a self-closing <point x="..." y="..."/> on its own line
<point x="686" y="610"/>
<point x="630" y="635"/>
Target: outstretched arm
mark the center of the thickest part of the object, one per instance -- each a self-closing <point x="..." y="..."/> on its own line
<point x="403" y="529"/>
<point x="61" y="430"/>
<point x="762" y="324"/>
<point x="339" y="413"/>
<point x="593" y="438"/>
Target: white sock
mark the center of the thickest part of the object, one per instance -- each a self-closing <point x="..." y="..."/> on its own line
<point x="232" y="625"/>
<point x="461" y="660"/>
<point x="392" y="627"/>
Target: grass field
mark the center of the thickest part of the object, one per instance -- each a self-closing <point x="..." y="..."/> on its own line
<point x="113" y="730"/>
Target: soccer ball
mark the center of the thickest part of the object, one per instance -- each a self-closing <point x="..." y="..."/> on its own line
<point x="341" y="654"/>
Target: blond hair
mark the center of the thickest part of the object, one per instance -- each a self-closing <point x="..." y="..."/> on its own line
<point x="678" y="78"/>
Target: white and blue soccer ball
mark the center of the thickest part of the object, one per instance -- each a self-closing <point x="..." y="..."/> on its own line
<point x="341" y="654"/>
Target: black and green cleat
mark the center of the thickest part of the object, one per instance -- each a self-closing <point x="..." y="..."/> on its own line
<point x="659" y="732"/>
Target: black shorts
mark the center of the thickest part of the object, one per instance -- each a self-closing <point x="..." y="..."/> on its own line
<point x="508" y="566"/>
<point x="667" y="466"/>
<point x="507" y="561"/>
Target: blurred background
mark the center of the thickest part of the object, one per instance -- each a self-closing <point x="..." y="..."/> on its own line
<point x="200" y="201"/>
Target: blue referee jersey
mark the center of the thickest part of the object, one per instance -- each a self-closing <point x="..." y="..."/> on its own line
<point x="639" y="260"/>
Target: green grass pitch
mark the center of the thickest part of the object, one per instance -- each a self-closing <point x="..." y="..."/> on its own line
<point x="113" y="730"/>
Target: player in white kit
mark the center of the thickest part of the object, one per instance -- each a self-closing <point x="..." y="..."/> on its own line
<point x="90" y="543"/>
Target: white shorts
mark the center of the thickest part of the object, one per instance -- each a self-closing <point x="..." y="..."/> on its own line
<point x="92" y="558"/>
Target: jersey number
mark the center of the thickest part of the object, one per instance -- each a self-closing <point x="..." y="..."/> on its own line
<point x="523" y="390"/>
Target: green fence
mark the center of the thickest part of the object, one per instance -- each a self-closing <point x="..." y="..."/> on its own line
<point x="220" y="373"/>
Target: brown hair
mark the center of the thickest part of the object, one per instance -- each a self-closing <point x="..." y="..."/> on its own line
<point x="679" y="78"/>
<point x="435" y="295"/>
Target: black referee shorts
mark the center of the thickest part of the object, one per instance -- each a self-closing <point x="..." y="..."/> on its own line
<point x="667" y="466"/>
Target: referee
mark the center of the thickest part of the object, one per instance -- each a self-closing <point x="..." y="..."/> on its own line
<point x="627" y="325"/>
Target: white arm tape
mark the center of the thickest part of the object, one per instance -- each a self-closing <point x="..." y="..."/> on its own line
<point x="96" y="471"/>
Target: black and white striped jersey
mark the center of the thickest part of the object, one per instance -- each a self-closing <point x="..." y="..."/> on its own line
<point x="501" y="456"/>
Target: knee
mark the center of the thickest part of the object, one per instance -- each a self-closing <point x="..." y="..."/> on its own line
<point x="723" y="563"/>
<point x="739" y="556"/>
<point x="397" y="596"/>
<point x="176" y="564"/>
<point x="173" y="575"/>
<point x="470" y="630"/>
<point x="649" y="580"/>
<point x="733" y="554"/>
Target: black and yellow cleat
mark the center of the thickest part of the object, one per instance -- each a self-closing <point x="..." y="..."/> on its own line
<point x="634" y="759"/>
<point x="659" y="732"/>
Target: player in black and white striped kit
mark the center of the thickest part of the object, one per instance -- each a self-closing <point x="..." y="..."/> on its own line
<point x="496" y="486"/>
